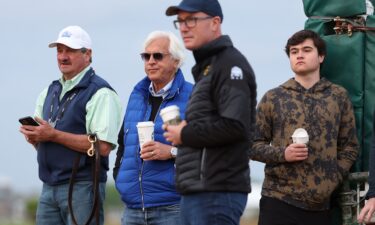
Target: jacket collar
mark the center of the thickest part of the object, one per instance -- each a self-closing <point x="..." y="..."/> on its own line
<point x="178" y="82"/>
<point x="212" y="48"/>
<point x="319" y="86"/>
<point x="83" y="81"/>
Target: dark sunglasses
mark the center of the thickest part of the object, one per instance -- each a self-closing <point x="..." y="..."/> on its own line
<point x="158" y="56"/>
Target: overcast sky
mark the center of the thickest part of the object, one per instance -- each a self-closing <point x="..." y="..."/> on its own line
<point x="259" y="29"/>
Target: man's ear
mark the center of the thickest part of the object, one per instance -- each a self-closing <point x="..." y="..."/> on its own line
<point x="321" y="58"/>
<point x="88" y="53"/>
<point x="216" y="22"/>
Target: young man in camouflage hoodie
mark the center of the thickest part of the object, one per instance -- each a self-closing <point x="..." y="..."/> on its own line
<point x="300" y="178"/>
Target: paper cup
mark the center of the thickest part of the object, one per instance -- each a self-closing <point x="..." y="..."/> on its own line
<point x="171" y="115"/>
<point x="145" y="132"/>
<point x="300" y="136"/>
<point x="372" y="219"/>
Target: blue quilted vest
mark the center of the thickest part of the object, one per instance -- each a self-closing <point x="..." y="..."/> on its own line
<point x="149" y="183"/>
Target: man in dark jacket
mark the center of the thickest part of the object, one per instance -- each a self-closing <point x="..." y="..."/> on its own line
<point x="212" y="167"/>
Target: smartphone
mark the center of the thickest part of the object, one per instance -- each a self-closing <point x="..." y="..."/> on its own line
<point x="28" y="120"/>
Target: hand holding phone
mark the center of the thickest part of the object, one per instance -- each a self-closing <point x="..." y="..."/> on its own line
<point x="28" y="120"/>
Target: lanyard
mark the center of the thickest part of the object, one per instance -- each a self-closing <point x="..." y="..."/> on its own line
<point x="52" y="120"/>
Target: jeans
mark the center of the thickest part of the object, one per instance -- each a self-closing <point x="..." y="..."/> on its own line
<point x="213" y="208"/>
<point x="53" y="204"/>
<point x="161" y="215"/>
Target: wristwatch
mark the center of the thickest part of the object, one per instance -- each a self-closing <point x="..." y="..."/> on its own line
<point x="174" y="152"/>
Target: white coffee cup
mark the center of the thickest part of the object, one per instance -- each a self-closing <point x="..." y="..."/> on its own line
<point x="171" y="115"/>
<point x="372" y="219"/>
<point x="145" y="132"/>
<point x="300" y="136"/>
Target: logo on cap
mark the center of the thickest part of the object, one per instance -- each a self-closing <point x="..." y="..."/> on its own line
<point x="66" y="34"/>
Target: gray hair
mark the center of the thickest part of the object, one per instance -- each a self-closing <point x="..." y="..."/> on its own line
<point x="176" y="48"/>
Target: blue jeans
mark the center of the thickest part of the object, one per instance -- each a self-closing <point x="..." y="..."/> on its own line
<point x="213" y="208"/>
<point x="161" y="215"/>
<point x="53" y="204"/>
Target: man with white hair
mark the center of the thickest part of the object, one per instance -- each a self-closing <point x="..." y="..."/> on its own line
<point x="145" y="174"/>
<point x="76" y="105"/>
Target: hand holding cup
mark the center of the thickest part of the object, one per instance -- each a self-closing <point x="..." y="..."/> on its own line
<point x="145" y="132"/>
<point x="171" y="115"/>
<point x="297" y="151"/>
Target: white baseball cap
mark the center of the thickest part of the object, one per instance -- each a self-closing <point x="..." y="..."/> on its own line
<point x="74" y="37"/>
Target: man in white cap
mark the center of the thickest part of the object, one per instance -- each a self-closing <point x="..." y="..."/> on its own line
<point x="77" y="104"/>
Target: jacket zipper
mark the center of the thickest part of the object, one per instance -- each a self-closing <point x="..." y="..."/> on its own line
<point x="141" y="171"/>
<point x="202" y="163"/>
<point x="141" y="187"/>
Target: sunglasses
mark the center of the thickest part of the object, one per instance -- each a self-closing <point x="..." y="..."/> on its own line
<point x="157" y="56"/>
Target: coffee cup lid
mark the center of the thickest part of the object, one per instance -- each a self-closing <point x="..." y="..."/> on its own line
<point x="300" y="132"/>
<point x="145" y="124"/>
<point x="169" y="109"/>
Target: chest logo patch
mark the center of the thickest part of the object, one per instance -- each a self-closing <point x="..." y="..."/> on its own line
<point x="236" y="73"/>
<point x="206" y="70"/>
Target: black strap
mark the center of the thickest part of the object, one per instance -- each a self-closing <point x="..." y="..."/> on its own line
<point x="120" y="151"/>
<point x="96" y="175"/>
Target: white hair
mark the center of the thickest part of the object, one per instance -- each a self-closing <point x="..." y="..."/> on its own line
<point x="176" y="48"/>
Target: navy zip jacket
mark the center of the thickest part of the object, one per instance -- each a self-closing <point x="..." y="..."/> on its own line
<point x="144" y="184"/>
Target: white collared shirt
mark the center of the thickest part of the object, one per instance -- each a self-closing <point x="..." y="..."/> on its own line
<point x="162" y="92"/>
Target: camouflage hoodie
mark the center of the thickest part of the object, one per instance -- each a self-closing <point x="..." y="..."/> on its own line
<point x="326" y="112"/>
